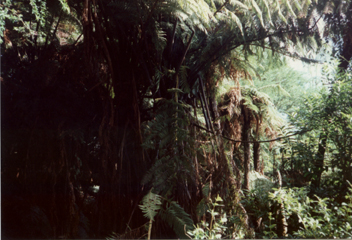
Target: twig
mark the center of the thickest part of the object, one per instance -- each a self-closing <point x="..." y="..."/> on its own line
<point x="76" y="42"/>
<point x="218" y="10"/>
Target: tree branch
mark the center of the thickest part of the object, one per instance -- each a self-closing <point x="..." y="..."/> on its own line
<point x="218" y="10"/>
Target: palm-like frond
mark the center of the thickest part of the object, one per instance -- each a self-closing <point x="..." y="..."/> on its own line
<point x="151" y="204"/>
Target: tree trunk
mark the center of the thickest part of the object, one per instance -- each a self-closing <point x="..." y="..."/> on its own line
<point x="346" y="51"/>
<point x="319" y="162"/>
<point x="281" y="228"/>
<point x="274" y="163"/>
<point x="256" y="154"/>
<point x="224" y="166"/>
<point x="246" y="147"/>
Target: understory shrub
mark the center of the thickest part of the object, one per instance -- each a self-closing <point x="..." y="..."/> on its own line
<point x="319" y="217"/>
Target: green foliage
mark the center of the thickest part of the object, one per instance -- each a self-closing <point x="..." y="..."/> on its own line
<point x="326" y="114"/>
<point x="38" y="23"/>
<point x="4" y="13"/>
<point x="151" y="204"/>
<point x="177" y="218"/>
<point x="257" y="202"/>
<point x="320" y="218"/>
<point x="39" y="11"/>
<point x="270" y="233"/>
<point x="286" y="81"/>
<point x="172" y="213"/>
<point x="221" y="220"/>
<point x="260" y="183"/>
<point x="216" y="227"/>
<point x="168" y="136"/>
<point x="8" y="13"/>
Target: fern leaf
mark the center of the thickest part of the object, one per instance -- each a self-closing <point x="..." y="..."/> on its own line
<point x="268" y="12"/>
<point x="206" y="189"/>
<point x="202" y="208"/>
<point x="237" y="21"/>
<point x="238" y="3"/>
<point x="151" y="204"/>
<point x="297" y="5"/>
<point x="280" y="13"/>
<point x="258" y="11"/>
<point x="248" y="102"/>
<point x="177" y="218"/>
<point x="288" y="5"/>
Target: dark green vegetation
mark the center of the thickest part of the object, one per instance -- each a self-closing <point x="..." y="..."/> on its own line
<point x="117" y="120"/>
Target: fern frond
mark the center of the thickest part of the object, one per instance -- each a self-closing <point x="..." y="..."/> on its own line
<point x="206" y="189"/>
<point x="279" y="12"/>
<point x="177" y="218"/>
<point x="258" y="11"/>
<point x="288" y="5"/>
<point x="239" y="4"/>
<point x="151" y="204"/>
<point x="249" y="103"/>
<point x="237" y="21"/>
<point x="202" y="208"/>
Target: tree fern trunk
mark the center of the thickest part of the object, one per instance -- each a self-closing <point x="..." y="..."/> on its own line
<point x="256" y="155"/>
<point x="246" y="147"/>
<point x="281" y="228"/>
